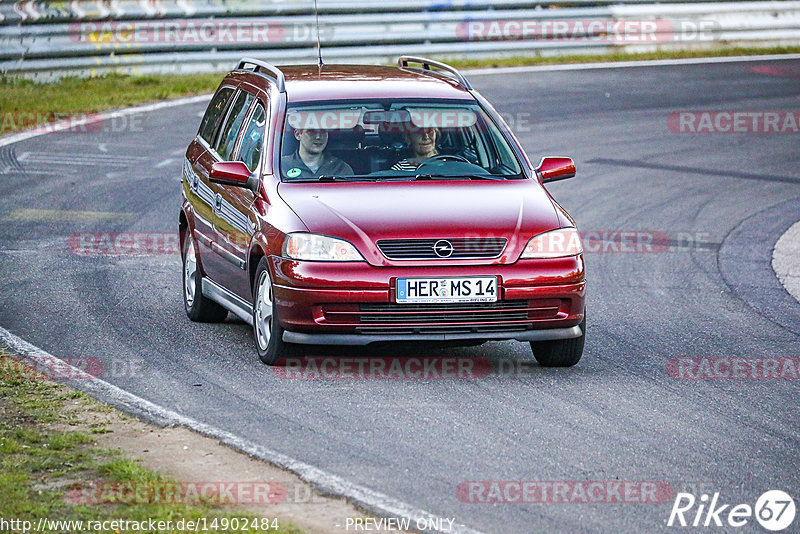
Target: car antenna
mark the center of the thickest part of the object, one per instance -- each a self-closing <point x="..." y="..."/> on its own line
<point x="319" y="46"/>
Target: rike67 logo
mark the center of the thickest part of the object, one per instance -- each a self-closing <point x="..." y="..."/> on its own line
<point x="774" y="510"/>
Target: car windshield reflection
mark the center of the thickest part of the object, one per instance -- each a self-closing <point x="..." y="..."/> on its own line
<point x="394" y="141"/>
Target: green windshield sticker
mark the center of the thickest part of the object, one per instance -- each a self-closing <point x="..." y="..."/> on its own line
<point x="293" y="173"/>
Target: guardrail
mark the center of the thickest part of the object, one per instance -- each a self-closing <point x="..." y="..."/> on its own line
<point x="41" y="39"/>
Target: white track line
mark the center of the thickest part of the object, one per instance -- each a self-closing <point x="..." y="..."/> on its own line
<point x="98" y="117"/>
<point x="784" y="260"/>
<point x="366" y="498"/>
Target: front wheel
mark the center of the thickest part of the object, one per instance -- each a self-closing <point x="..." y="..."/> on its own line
<point x="560" y="352"/>
<point x="266" y="327"/>
<point x="198" y="307"/>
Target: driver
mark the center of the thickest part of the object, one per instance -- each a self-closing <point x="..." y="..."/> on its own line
<point x="310" y="159"/>
<point x="423" y="143"/>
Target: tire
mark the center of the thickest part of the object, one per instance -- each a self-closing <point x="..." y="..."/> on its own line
<point x="199" y="308"/>
<point x="560" y="352"/>
<point x="267" y="330"/>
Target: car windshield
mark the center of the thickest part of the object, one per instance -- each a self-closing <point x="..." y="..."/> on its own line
<point x="380" y="140"/>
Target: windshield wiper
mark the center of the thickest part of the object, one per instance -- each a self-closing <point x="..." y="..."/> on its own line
<point x="456" y="176"/>
<point x="331" y="178"/>
<point x="328" y="178"/>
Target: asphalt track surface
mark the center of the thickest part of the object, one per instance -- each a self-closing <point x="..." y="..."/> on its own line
<point x="616" y="416"/>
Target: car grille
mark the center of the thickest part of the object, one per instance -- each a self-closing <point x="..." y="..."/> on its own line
<point x="511" y="310"/>
<point x="501" y="316"/>
<point x="423" y="249"/>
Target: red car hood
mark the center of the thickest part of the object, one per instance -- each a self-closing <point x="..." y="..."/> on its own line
<point x="365" y="212"/>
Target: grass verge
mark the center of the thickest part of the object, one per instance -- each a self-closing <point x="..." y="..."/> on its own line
<point x="47" y="447"/>
<point x="26" y="104"/>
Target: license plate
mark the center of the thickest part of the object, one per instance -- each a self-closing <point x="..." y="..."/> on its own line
<point x="430" y="290"/>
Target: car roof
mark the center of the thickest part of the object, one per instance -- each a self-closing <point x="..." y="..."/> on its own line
<point x="307" y="83"/>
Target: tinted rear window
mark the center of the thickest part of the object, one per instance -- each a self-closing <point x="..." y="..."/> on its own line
<point x="230" y="131"/>
<point x="215" y="110"/>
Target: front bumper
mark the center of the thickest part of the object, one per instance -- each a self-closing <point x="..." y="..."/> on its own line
<point x="354" y="303"/>
<point x="366" y="339"/>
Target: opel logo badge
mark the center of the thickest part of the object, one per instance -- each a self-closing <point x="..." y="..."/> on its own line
<point x="443" y="248"/>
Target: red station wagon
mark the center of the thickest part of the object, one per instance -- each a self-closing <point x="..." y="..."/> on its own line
<point x="349" y="205"/>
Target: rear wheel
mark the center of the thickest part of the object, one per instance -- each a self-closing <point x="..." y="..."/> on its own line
<point x="198" y="307"/>
<point x="266" y="326"/>
<point x="560" y="352"/>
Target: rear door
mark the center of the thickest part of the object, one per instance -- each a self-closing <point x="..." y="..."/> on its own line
<point x="234" y="219"/>
<point x="216" y="263"/>
<point x="199" y="190"/>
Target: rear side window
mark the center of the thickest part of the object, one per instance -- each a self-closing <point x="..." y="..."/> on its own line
<point x="230" y="130"/>
<point x="215" y="110"/>
<point x="253" y="139"/>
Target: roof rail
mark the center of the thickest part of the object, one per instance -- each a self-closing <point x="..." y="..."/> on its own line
<point x="280" y="80"/>
<point x="403" y="62"/>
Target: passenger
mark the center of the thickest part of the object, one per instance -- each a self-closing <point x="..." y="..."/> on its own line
<point x="423" y="144"/>
<point x="310" y="159"/>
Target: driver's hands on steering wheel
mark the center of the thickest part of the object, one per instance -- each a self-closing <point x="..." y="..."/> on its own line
<point x="446" y="157"/>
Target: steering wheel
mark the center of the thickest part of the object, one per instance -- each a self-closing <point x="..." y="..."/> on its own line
<point x="447" y="157"/>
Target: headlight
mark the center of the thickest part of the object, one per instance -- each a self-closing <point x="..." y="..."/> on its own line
<point x="559" y="243"/>
<point x="315" y="247"/>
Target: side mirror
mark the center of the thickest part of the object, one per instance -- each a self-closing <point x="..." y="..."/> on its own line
<point x="233" y="173"/>
<point x="554" y="169"/>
